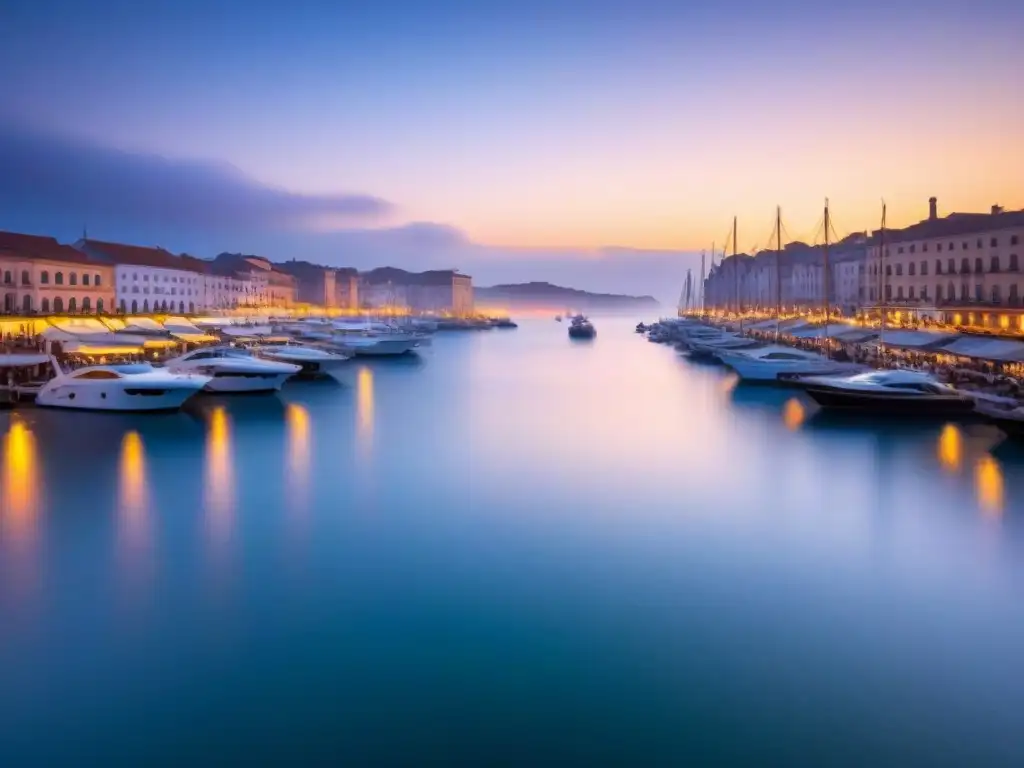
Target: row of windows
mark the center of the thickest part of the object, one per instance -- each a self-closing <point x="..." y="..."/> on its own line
<point x="965" y="266"/>
<point x="158" y="306"/>
<point x="58" y="305"/>
<point x="165" y="278"/>
<point x="993" y="243"/>
<point x="58" y="278"/>
<point x="950" y="294"/>
<point x="145" y="290"/>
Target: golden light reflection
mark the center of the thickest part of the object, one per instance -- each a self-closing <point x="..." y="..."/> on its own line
<point x="729" y="383"/>
<point x="134" y="488"/>
<point x="793" y="414"/>
<point x="951" y="448"/>
<point x="220" y="481"/>
<point x="988" y="481"/>
<point x="19" y="502"/>
<point x="364" y="406"/>
<point x="297" y="420"/>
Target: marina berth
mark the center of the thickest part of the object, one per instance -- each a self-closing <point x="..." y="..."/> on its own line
<point x="131" y="387"/>
<point x="234" y="370"/>
<point x="891" y="392"/>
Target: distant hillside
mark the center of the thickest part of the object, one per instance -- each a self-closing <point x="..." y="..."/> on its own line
<point x="555" y="298"/>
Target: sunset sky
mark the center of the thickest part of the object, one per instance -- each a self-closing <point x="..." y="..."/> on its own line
<point x="525" y="130"/>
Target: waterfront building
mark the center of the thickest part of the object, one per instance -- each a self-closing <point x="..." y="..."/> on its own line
<point x="346" y="288"/>
<point x="222" y="288"/>
<point x="270" y="285"/>
<point x="149" y="279"/>
<point x="442" y="291"/>
<point x="314" y="284"/>
<point x="40" y="276"/>
<point x="961" y="269"/>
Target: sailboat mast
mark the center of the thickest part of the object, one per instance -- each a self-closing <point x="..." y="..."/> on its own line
<point x="883" y="282"/>
<point x="778" y="269"/>
<point x="702" y="284"/>
<point x="736" y="266"/>
<point x="825" y="278"/>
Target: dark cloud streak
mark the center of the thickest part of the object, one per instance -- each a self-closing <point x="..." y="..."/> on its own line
<point x="61" y="176"/>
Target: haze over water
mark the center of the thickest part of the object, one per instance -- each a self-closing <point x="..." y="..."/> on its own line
<point x="512" y="549"/>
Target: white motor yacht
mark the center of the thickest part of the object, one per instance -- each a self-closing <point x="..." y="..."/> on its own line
<point x="313" y="362"/>
<point x="132" y="387"/>
<point x="372" y="340"/>
<point x="232" y="369"/>
<point x="777" y="363"/>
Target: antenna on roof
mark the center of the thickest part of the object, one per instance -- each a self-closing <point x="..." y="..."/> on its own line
<point x="85" y="231"/>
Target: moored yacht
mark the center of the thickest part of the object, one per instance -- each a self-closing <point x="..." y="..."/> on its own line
<point x="779" y="364"/>
<point x="581" y="328"/>
<point x="313" y="362"/>
<point x="890" y="392"/>
<point x="372" y="339"/>
<point x="131" y="387"/>
<point x="232" y="369"/>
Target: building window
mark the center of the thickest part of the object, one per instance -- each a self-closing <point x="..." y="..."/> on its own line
<point x="952" y="266"/>
<point x="58" y="304"/>
<point x="950" y="291"/>
<point x="72" y="304"/>
<point x="979" y="268"/>
<point x="913" y="248"/>
<point x="25" y="279"/>
<point x="938" y="247"/>
<point x="888" y="292"/>
<point x="924" y="247"/>
<point x="191" y="307"/>
<point x="45" y="305"/>
<point x="963" y="292"/>
<point x="910" y="293"/>
<point x="99" y="306"/>
<point x="1013" y="240"/>
<point x="979" y="243"/>
<point x="145" y="305"/>
<point x="899" y="270"/>
<point x="899" y="293"/>
<point x="72" y="280"/>
<point x="86" y="304"/>
<point x="44" y="277"/>
<point x="910" y="269"/>
<point x="135" y="306"/>
<point x="121" y="305"/>
<point x="938" y="266"/>
<point x="965" y="266"/>
<point x="938" y="292"/>
<point x="96" y="281"/>
<point x="924" y="292"/>
<point x="8" y="278"/>
<point x="181" y="307"/>
<point x="964" y="245"/>
<point x="900" y="249"/>
<point x="135" y="275"/>
<point x="995" y="294"/>
<point x="924" y="268"/>
<point x="979" y="292"/>
<point x="145" y="278"/>
<point x="1013" y="292"/>
<point x="26" y="303"/>
<point x="58" y="279"/>
<point x="85" y="278"/>
<point x="995" y="264"/>
<point x="994" y="242"/>
<point x="888" y="270"/>
<point x="1013" y="262"/>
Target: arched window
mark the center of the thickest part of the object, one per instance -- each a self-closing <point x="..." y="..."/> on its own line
<point x="58" y="303"/>
<point x="9" y="302"/>
<point x="121" y="306"/>
<point x="73" y="278"/>
<point x="181" y="307"/>
<point x="45" y="306"/>
<point x="8" y="277"/>
<point x="26" y="303"/>
<point x="25" y="279"/>
<point x="145" y="305"/>
<point x="135" y="306"/>
<point x="995" y="264"/>
<point x="163" y="305"/>
<point x="978" y="268"/>
<point x="96" y="280"/>
<point x="85" y="278"/>
<point x="58" y="279"/>
<point x="72" y="303"/>
<point x="44" y="277"/>
<point x="99" y="306"/>
<point x="995" y="294"/>
<point x="86" y="304"/>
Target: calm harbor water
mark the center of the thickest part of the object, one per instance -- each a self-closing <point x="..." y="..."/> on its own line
<point x="514" y="549"/>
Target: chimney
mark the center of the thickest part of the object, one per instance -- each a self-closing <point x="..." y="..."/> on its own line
<point x="933" y="208"/>
<point x="996" y="210"/>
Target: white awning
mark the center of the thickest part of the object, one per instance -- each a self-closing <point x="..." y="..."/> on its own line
<point x="982" y="348"/>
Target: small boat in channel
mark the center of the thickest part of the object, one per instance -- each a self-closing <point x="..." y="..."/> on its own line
<point x="581" y="328"/>
<point x="897" y="392"/>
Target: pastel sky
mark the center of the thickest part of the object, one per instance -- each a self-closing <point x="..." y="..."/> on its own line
<point x="528" y="130"/>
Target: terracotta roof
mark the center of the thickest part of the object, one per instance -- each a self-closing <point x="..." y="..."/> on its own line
<point x="120" y="253"/>
<point x="34" y="246"/>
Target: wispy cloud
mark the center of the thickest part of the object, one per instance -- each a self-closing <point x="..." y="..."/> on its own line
<point x="65" y="176"/>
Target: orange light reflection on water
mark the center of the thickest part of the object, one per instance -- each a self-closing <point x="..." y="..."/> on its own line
<point x="133" y="494"/>
<point x="951" y="448"/>
<point x="793" y="414"/>
<point x="364" y="408"/>
<point x="298" y="424"/>
<point x="220" y="481"/>
<point x="988" y="481"/>
<point x="19" y="501"/>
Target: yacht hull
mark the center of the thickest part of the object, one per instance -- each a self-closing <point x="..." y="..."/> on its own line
<point x="890" y="404"/>
<point x="783" y="371"/>
<point x="115" y="397"/>
<point x="225" y="382"/>
<point x="382" y="348"/>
